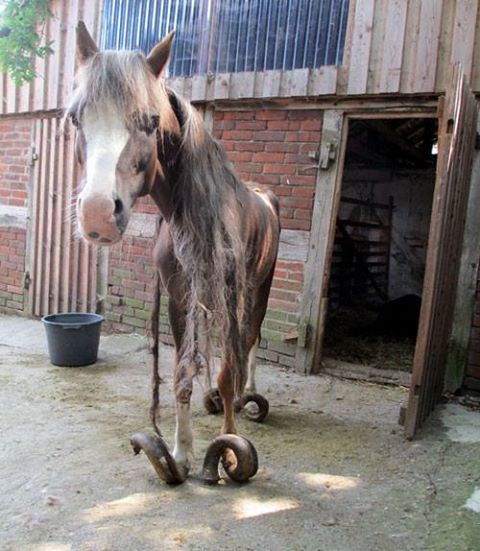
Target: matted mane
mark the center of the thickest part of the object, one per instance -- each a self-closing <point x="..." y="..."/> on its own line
<point x="123" y="80"/>
<point x="207" y="234"/>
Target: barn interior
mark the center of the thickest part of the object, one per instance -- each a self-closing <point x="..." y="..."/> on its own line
<point x="380" y="246"/>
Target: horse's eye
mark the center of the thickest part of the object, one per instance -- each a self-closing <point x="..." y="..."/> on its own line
<point x="141" y="166"/>
<point x="150" y="124"/>
<point x="74" y="119"/>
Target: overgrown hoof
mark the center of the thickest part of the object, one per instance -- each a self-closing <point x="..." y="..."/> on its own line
<point x="237" y="454"/>
<point x="159" y="456"/>
<point x="212" y="401"/>
<point x="258" y="406"/>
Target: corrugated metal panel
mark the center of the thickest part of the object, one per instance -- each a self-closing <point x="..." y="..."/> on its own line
<point x="54" y="82"/>
<point x="225" y="36"/>
<point x="62" y="267"/>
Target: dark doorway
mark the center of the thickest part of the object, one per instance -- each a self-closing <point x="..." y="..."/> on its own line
<point x="379" y="252"/>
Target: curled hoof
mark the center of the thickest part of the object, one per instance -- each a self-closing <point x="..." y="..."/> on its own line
<point x="257" y="411"/>
<point x="212" y="401"/>
<point x="238" y="455"/>
<point x="161" y="459"/>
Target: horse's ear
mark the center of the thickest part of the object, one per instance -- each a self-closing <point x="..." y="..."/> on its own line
<point x="159" y="54"/>
<point x="86" y="46"/>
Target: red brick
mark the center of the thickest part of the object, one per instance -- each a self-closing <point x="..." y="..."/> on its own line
<point x="237" y="135"/>
<point x="268" y="157"/>
<point x="251" y="125"/>
<point x="249" y="146"/>
<point x="279" y="169"/>
<point x="239" y="115"/>
<point x="270" y="135"/>
<point x="271" y="115"/>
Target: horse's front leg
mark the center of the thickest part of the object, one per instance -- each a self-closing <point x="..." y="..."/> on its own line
<point x="183" y="449"/>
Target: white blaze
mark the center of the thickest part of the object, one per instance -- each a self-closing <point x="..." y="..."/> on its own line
<point x="106" y="137"/>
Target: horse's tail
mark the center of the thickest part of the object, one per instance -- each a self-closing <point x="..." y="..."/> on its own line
<point x="154" y="324"/>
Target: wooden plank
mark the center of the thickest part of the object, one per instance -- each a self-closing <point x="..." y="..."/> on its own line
<point x="49" y="216"/>
<point x="377" y="45"/>
<point x="242" y="85"/>
<point x="294" y="83"/>
<point x="425" y="61"/>
<point x="457" y="358"/>
<point x="466" y="12"/>
<point x="271" y="84"/>
<point x="360" y="51"/>
<point x="325" y="208"/>
<point x="456" y="144"/>
<point x="72" y="17"/>
<point x="55" y="61"/>
<point x="199" y="88"/>
<point x="442" y="79"/>
<point x="222" y="86"/>
<point x="11" y="95"/>
<point x="57" y="219"/>
<point x="68" y="213"/>
<point x="41" y="218"/>
<point x="322" y="81"/>
<point x="33" y="207"/>
<point x="410" y="45"/>
<point x="392" y="52"/>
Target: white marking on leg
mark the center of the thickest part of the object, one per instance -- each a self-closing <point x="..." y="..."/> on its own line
<point x="252" y="364"/>
<point x="183" y="451"/>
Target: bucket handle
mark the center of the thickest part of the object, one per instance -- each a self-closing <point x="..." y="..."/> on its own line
<point x="71" y="327"/>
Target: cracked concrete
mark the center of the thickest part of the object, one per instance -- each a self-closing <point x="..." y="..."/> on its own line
<point x="335" y="471"/>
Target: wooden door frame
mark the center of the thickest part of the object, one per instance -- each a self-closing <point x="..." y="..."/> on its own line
<point x="328" y="188"/>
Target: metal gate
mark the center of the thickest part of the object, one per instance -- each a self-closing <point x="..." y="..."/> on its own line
<point x="61" y="271"/>
<point x="457" y="136"/>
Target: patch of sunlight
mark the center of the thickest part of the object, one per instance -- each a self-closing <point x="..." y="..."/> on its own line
<point x="179" y="537"/>
<point x="129" y="505"/>
<point x="329" y="481"/>
<point x="473" y="502"/>
<point x="252" y="507"/>
<point x="462" y="424"/>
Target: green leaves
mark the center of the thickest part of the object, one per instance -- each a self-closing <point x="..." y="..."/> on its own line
<point x="21" y="37"/>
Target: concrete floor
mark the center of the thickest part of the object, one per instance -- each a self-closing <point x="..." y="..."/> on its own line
<point x="335" y="471"/>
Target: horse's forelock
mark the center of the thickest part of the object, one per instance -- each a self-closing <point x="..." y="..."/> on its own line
<point x="123" y="81"/>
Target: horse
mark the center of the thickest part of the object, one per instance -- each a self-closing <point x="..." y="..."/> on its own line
<point x="216" y="244"/>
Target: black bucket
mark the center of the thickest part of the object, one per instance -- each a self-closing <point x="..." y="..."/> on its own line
<point x="73" y="338"/>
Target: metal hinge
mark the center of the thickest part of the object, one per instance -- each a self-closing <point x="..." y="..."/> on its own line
<point x="303" y="334"/>
<point x="27" y="280"/>
<point x="32" y="156"/>
<point x="328" y="153"/>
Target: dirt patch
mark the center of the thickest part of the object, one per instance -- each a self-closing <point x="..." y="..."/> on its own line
<point x="335" y="471"/>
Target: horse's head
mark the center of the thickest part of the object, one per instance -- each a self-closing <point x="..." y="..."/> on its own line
<point x="119" y="104"/>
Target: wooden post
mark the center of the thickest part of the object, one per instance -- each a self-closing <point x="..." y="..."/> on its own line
<point x="322" y="234"/>
<point x="467" y="280"/>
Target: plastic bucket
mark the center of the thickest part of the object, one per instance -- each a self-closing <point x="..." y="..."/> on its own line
<point x="73" y="338"/>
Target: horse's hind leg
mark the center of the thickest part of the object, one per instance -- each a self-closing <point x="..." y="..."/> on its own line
<point x="252" y="364"/>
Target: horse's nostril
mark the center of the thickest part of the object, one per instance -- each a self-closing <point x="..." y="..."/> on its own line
<point x="118" y="207"/>
<point x="93" y="235"/>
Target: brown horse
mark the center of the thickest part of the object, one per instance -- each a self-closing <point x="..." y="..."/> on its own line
<point x="217" y="241"/>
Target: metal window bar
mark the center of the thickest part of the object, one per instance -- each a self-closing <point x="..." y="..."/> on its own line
<point x="231" y="35"/>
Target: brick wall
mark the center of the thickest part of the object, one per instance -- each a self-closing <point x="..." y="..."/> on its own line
<point x="15" y="137"/>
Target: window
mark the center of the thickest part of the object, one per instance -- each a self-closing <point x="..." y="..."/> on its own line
<point x="223" y="36"/>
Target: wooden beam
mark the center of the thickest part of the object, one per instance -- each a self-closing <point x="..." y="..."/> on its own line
<point x="397" y="141"/>
<point x="317" y="268"/>
<point x="457" y="357"/>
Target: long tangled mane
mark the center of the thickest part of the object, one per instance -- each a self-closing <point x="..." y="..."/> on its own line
<point x="207" y="235"/>
<point x="207" y="197"/>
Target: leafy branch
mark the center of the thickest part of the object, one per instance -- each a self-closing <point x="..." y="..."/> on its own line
<point x="21" y="36"/>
